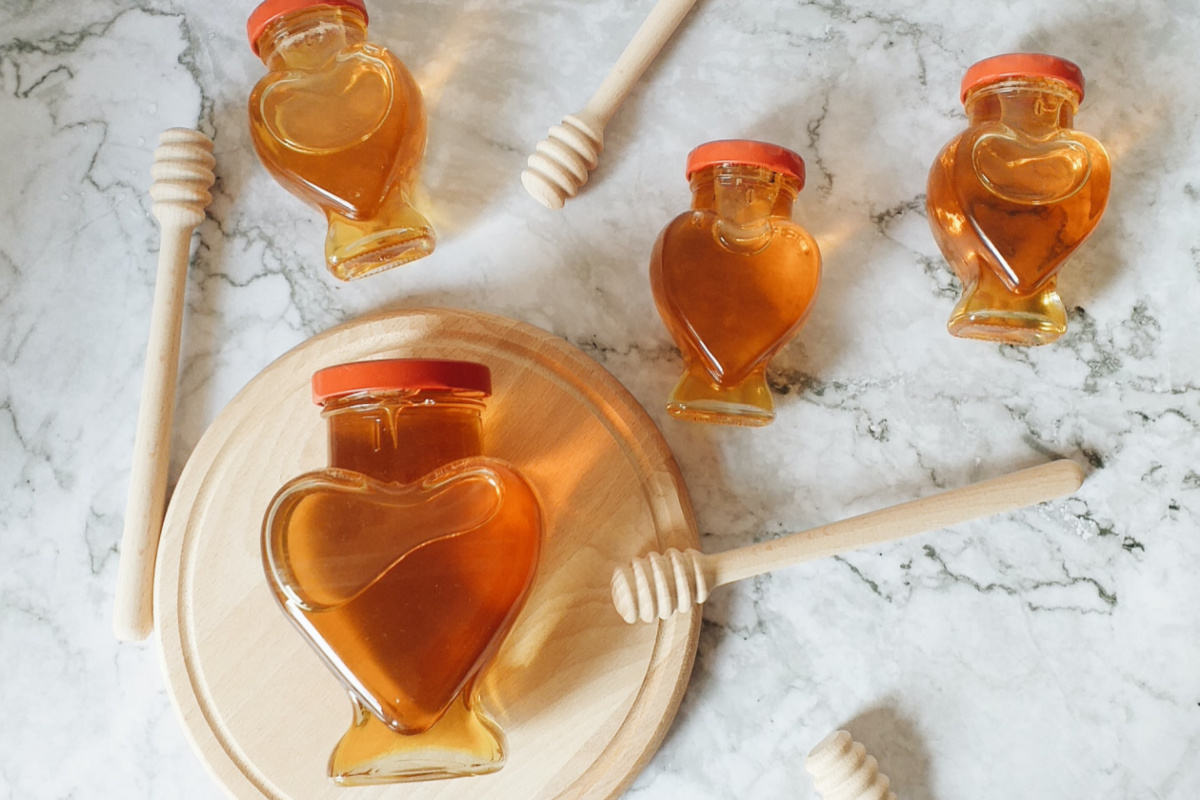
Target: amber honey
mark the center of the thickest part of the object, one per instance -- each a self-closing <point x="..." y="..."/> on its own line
<point x="405" y="564"/>
<point x="733" y="279"/>
<point x="340" y="123"/>
<point x="1011" y="198"/>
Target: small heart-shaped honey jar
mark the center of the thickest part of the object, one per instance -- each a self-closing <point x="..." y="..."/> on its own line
<point x="405" y="563"/>
<point x="1013" y="196"/>
<point x="734" y="278"/>
<point x="340" y="123"/>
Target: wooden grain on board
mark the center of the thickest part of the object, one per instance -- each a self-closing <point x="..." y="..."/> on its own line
<point x="584" y="698"/>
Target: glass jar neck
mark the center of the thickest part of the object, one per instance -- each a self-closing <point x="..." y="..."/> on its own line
<point x="745" y="199"/>
<point x="401" y="437"/>
<point x="1035" y="106"/>
<point x="742" y="188"/>
<point x="310" y="38"/>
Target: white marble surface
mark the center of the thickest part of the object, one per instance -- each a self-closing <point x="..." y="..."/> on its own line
<point x="1051" y="653"/>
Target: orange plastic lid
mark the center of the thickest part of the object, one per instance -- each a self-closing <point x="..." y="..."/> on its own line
<point x="400" y="374"/>
<point x="270" y="10"/>
<point x="746" y="151"/>
<point x="1022" y="65"/>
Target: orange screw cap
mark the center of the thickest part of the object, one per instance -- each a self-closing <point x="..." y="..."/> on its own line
<point x="746" y="151"/>
<point x="1022" y="65"/>
<point x="400" y="374"/>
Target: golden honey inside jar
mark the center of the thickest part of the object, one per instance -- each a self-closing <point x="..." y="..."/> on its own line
<point x="734" y="279"/>
<point x="405" y="564"/>
<point x="1012" y="197"/>
<point x="339" y="122"/>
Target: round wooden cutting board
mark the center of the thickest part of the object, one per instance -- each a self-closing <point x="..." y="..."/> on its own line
<point x="584" y="698"/>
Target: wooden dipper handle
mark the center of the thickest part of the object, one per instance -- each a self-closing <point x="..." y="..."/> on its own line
<point x="658" y="585"/>
<point x="183" y="173"/>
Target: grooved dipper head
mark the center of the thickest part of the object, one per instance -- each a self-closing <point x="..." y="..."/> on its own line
<point x="842" y="770"/>
<point x="658" y="585"/>
<point x="560" y="163"/>
<point x="183" y="173"/>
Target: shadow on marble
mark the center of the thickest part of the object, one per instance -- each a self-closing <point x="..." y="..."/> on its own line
<point x="199" y="340"/>
<point x="203" y="302"/>
<point x="472" y="67"/>
<point x="466" y="82"/>
<point x="816" y="350"/>
<point x="893" y="739"/>
<point x="1128" y="108"/>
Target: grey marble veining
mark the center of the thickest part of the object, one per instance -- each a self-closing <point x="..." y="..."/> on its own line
<point x="1053" y="652"/>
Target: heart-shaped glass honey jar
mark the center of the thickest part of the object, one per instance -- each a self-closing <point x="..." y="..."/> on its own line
<point x="734" y="278"/>
<point x="340" y="123"/>
<point x="1012" y="197"/>
<point x="405" y="563"/>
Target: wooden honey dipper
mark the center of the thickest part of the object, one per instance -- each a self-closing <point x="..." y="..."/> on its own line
<point x="660" y="584"/>
<point x="183" y="173"/>
<point x="560" y="164"/>
<point x="842" y="770"/>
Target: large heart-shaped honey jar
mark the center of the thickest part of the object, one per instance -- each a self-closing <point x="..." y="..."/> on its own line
<point x="405" y="590"/>
<point x="405" y="564"/>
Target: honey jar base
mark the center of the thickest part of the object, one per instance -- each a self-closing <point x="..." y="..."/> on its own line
<point x="1036" y="320"/>
<point x="464" y="742"/>
<point x="720" y="414"/>
<point x="377" y="252"/>
<point x="747" y="404"/>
